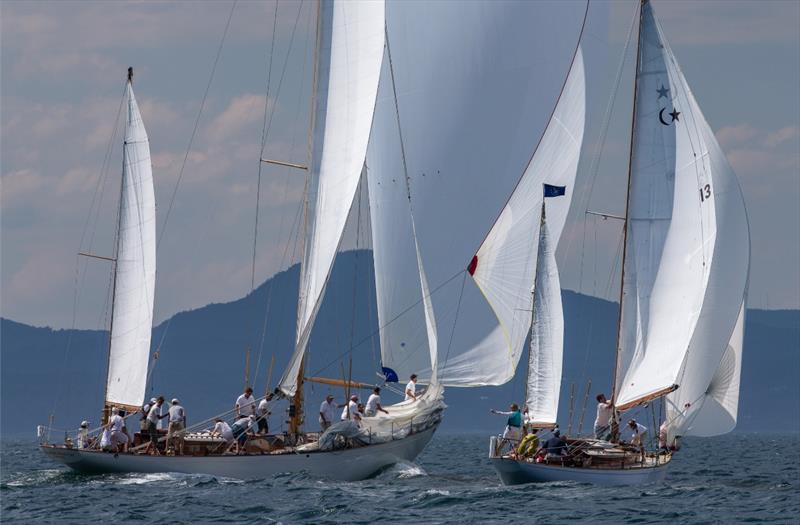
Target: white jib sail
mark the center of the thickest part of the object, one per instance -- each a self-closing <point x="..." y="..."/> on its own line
<point x="134" y="284"/>
<point x="404" y="313"/>
<point x="688" y="241"/>
<point x="547" y="337"/>
<point x="505" y="264"/>
<point x="714" y="410"/>
<point x="349" y="64"/>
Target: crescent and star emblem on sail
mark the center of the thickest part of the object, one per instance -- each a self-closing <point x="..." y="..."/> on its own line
<point x="674" y="114"/>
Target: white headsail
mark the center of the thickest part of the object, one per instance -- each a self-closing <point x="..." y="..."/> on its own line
<point x="134" y="282"/>
<point x="408" y="332"/>
<point x="687" y="246"/>
<point x="350" y="50"/>
<point x="547" y="336"/>
<point x="505" y="264"/>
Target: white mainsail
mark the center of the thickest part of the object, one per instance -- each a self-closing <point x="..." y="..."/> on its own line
<point x="505" y="264"/>
<point x="350" y="51"/>
<point x="547" y="336"/>
<point x="687" y="246"/>
<point x="134" y="282"/>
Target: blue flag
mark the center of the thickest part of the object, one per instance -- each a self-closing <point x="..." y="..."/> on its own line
<point x="554" y="191"/>
<point x="389" y="374"/>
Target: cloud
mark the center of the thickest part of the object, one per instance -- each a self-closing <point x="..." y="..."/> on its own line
<point x="754" y="152"/>
<point x="240" y="115"/>
<point x="17" y="185"/>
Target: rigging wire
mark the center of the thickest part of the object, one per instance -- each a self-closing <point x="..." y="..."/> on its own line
<point x="265" y="138"/>
<point x="392" y="320"/>
<point x="92" y="218"/>
<point x="157" y="352"/>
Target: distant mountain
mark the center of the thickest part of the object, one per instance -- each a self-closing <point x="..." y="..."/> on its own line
<point x="202" y="359"/>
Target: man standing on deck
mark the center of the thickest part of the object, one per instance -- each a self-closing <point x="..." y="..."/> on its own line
<point x="153" y="418"/>
<point x="326" y="412"/>
<point x="246" y="403"/>
<point x="177" y="424"/>
<point x="602" y="423"/>
<point x="118" y="435"/>
<point x="513" y="430"/>
<point x="263" y="415"/>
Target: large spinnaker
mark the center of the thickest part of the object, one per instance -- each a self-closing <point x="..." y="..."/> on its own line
<point x="134" y="284"/>
<point x="350" y="51"/>
<point x="547" y="337"/>
<point x="505" y="264"/>
<point x="688" y="243"/>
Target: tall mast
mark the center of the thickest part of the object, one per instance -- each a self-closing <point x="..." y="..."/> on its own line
<point x="106" y="407"/>
<point x="627" y="207"/>
<point x="296" y="405"/>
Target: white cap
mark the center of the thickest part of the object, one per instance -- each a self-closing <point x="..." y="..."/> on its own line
<point x="252" y="417"/>
<point x="153" y="400"/>
<point x="114" y="410"/>
<point x="354" y="397"/>
<point x="175" y="401"/>
<point x="84" y="423"/>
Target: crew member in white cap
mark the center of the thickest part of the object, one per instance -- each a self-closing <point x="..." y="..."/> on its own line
<point x="83" y="435"/>
<point x="146" y="410"/>
<point x="177" y="424"/>
<point x="351" y="410"/>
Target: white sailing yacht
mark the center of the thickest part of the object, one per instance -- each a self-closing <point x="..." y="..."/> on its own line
<point x="684" y="282"/>
<point x="350" y="49"/>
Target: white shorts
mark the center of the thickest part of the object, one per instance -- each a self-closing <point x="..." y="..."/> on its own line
<point x="512" y="433"/>
<point x="119" y="438"/>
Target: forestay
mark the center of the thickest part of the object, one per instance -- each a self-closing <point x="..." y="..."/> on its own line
<point x="687" y="246"/>
<point x="350" y="49"/>
<point x="547" y="336"/>
<point x="134" y="283"/>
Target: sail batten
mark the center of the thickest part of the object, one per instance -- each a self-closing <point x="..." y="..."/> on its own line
<point x="134" y="282"/>
<point x="348" y="68"/>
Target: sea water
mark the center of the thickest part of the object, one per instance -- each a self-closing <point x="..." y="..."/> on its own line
<point x="731" y="479"/>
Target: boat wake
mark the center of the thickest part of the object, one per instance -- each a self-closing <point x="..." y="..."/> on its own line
<point x="405" y="470"/>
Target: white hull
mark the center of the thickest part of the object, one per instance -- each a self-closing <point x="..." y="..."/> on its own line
<point x="346" y="465"/>
<point x="513" y="472"/>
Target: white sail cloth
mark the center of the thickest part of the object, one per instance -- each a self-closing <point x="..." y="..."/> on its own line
<point x="134" y="284"/>
<point x="351" y="41"/>
<point x="405" y="315"/>
<point x="506" y="262"/>
<point x="688" y="243"/>
<point x="547" y="337"/>
<point x="711" y="411"/>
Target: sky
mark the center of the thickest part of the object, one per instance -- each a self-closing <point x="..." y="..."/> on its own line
<point x="62" y="72"/>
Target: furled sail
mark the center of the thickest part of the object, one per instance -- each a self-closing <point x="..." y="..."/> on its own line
<point x="350" y="50"/>
<point x="547" y="336"/>
<point x="687" y="251"/>
<point x="505" y="264"/>
<point x="134" y="282"/>
<point x="404" y="312"/>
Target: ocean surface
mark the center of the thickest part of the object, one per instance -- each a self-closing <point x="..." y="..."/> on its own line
<point x="731" y="479"/>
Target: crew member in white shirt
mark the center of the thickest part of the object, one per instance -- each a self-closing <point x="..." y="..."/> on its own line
<point x="83" y="435"/>
<point x="639" y="435"/>
<point x="118" y="435"/>
<point x="177" y="424"/>
<point x="223" y="430"/>
<point x="263" y="415"/>
<point x="154" y="418"/>
<point x="326" y="412"/>
<point x="246" y="403"/>
<point x="351" y="410"/>
<point x="411" y="389"/>
<point x="374" y="404"/>
<point x="602" y="423"/>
